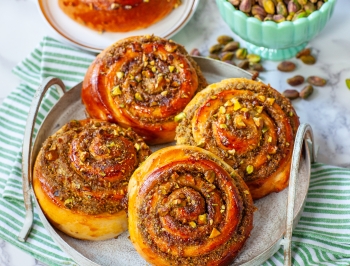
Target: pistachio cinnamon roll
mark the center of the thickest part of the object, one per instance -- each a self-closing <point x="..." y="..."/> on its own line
<point x="142" y="82"/>
<point x="117" y="15"/>
<point x="81" y="175"/>
<point x="188" y="207"/>
<point x="248" y="124"/>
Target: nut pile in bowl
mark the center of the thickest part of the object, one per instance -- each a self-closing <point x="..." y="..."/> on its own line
<point x="276" y="30"/>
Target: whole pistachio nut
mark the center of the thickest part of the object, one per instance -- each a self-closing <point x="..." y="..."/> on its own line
<point x="291" y="94"/>
<point x="227" y="56"/>
<point x="258" y="10"/>
<point x="316" y="81"/>
<point x="256" y="66"/>
<point x="245" y="6"/>
<point x="214" y="56"/>
<point x="268" y="17"/>
<point x="224" y="39"/>
<point x="269" y="6"/>
<point x="241" y="53"/>
<point x="296" y="80"/>
<point x="244" y="64"/>
<point x="302" y="2"/>
<point x="306" y="91"/>
<point x="253" y="58"/>
<point x="235" y="2"/>
<point x="216" y="48"/>
<point x="319" y="4"/>
<point x="297" y="4"/>
<point x="308" y="59"/>
<point x="290" y="16"/>
<point x="282" y="9"/>
<point x="255" y="74"/>
<point x="278" y="18"/>
<point x="309" y="8"/>
<point x="259" y="17"/>
<point x="313" y="1"/>
<point x="347" y="82"/>
<point x="300" y="14"/>
<point x="292" y="7"/>
<point x="286" y="66"/>
<point x="231" y="46"/>
<point x="195" y="52"/>
<point x="306" y="51"/>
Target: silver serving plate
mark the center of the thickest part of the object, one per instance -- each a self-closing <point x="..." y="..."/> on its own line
<point x="274" y="220"/>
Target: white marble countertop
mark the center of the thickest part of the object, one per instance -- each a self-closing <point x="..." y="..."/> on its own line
<point x="327" y="110"/>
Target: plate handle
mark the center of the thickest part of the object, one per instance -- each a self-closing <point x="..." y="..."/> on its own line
<point x="304" y="136"/>
<point x="27" y="164"/>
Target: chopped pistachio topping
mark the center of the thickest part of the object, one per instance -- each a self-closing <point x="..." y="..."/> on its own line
<point x="222" y="109"/>
<point x="164" y="93"/>
<point x="264" y="129"/>
<point x="262" y="98"/>
<point x="138" y="96"/>
<point x="271" y="100"/>
<point x="269" y="139"/>
<point x="210" y="176"/>
<point x="239" y="122"/>
<point x="154" y="69"/>
<point x="214" y="233"/>
<point x="202" y="219"/>
<point x="192" y="224"/>
<point x="179" y="117"/>
<point x="250" y="169"/>
<point x="120" y="75"/>
<point x="137" y="146"/>
<point x="171" y="68"/>
<point x="232" y="152"/>
<point x="223" y="126"/>
<point x="259" y="109"/>
<point x="213" y="97"/>
<point x="258" y="121"/>
<point x="201" y="143"/>
<point x="116" y="91"/>
<point x="228" y="103"/>
<point x="236" y="104"/>
<point x="122" y="105"/>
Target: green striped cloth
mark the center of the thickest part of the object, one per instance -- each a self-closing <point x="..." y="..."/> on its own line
<point x="322" y="236"/>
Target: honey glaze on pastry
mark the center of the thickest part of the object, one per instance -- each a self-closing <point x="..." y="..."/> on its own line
<point x="188" y="207"/>
<point x="81" y="175"/>
<point x="117" y="15"/>
<point x="142" y="82"/>
<point x="249" y="125"/>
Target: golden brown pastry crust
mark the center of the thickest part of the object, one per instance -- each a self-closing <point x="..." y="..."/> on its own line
<point x="249" y="125"/>
<point x="81" y="175"/>
<point x="188" y="207"/>
<point x="117" y="15"/>
<point x="142" y="82"/>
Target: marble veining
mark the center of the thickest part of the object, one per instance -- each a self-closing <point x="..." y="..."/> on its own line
<point x="327" y="110"/>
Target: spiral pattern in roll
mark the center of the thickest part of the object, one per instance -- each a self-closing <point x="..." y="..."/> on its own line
<point x="249" y="125"/>
<point x="83" y="171"/>
<point x="142" y="82"/>
<point x="187" y="206"/>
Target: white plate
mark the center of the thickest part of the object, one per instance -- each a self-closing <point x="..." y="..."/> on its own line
<point x="74" y="33"/>
<point x="269" y="219"/>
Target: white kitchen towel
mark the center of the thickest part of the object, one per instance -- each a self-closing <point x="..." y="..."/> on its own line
<point x="322" y="236"/>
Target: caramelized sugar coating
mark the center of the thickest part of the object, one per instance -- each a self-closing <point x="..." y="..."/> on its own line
<point x="249" y="125"/>
<point x="188" y="207"/>
<point x="142" y="82"/>
<point x="81" y="176"/>
<point x="117" y="15"/>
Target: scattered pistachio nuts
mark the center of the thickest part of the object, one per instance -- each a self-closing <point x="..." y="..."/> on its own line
<point x="306" y="91"/>
<point x="277" y="10"/>
<point x="231" y="46"/>
<point x="224" y="39"/>
<point x="296" y="80"/>
<point x="316" y="81"/>
<point x="308" y="59"/>
<point x="347" y="82"/>
<point x="291" y="94"/>
<point x="306" y="51"/>
<point x="286" y="66"/>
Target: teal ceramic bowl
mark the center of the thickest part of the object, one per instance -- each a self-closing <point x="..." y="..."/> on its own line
<point x="271" y="40"/>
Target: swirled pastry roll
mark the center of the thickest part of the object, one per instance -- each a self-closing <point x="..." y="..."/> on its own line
<point x="142" y="82"/>
<point x="248" y="124"/>
<point x="81" y="175"/>
<point x="188" y="207"/>
<point x="117" y="15"/>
